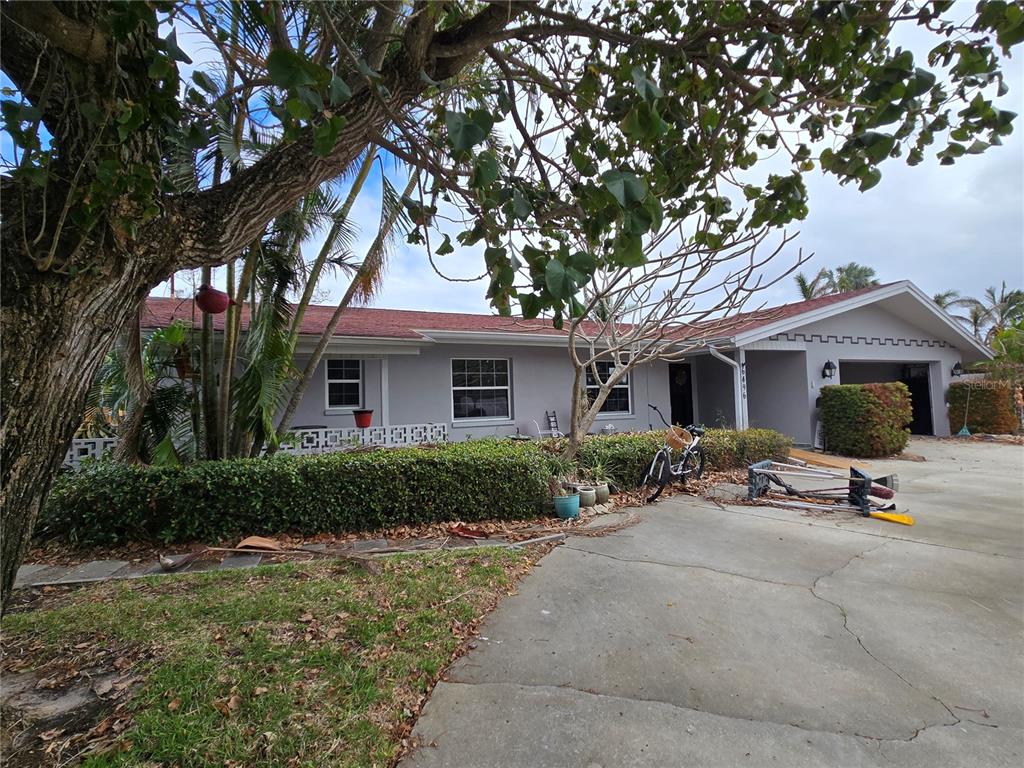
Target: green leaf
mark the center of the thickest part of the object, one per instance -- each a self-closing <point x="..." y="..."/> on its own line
<point x="366" y="71"/>
<point x="325" y="134"/>
<point x="921" y="83"/>
<point x="495" y="256"/>
<point x="558" y="280"/>
<point x="288" y="69"/>
<point x="160" y="68"/>
<point x="339" y="92"/>
<point x="170" y="45"/>
<point x="583" y="262"/>
<point x="583" y="163"/>
<point x="624" y="186"/>
<point x="298" y="109"/>
<point x="445" y="247"/>
<point x="643" y="122"/>
<point x="485" y="170"/>
<point x="869" y="178"/>
<point x="629" y="250"/>
<point x="521" y="206"/>
<point x="530" y="304"/>
<point x="647" y="88"/>
<point x="463" y="132"/>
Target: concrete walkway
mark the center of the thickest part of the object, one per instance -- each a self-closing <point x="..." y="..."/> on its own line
<point x="753" y="636"/>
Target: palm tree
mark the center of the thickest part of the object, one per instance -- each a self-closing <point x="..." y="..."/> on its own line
<point x="820" y="285"/>
<point x="853" y="277"/>
<point x="849" y="277"/>
<point x="142" y="395"/>
<point x="945" y="299"/>
<point x="993" y="313"/>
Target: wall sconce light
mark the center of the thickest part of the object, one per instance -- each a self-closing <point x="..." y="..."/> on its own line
<point x="829" y="370"/>
<point x="958" y="370"/>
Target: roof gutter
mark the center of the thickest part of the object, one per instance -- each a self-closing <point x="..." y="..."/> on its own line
<point x="739" y="383"/>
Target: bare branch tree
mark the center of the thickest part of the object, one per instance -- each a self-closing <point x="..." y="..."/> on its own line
<point x="686" y="297"/>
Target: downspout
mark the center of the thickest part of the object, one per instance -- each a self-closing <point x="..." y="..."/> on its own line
<point x="739" y="383"/>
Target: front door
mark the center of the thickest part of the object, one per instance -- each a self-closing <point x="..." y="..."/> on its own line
<point x="916" y="379"/>
<point x="680" y="387"/>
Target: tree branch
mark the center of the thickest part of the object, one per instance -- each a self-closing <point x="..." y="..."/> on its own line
<point x="85" y="42"/>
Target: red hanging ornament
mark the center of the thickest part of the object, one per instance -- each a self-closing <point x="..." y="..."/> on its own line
<point x="212" y="301"/>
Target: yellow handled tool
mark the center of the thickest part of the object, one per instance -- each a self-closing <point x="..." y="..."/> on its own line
<point x="892" y="517"/>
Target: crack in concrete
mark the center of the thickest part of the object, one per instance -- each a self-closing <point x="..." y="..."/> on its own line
<point x="842" y="612"/>
<point x="683" y="708"/>
<point x="860" y="641"/>
<point x="684" y="565"/>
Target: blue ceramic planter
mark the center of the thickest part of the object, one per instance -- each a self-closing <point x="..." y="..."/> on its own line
<point x="567" y="507"/>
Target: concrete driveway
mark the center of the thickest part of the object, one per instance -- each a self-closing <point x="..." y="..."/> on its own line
<point x="753" y="636"/>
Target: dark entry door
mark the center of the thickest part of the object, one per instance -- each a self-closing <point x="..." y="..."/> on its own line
<point x="680" y="387"/>
<point x="916" y="379"/>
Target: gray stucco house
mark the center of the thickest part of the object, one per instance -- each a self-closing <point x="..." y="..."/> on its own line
<point x="481" y="375"/>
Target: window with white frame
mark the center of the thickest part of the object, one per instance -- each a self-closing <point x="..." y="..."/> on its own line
<point x="618" y="397"/>
<point x="344" y="383"/>
<point x="481" y="390"/>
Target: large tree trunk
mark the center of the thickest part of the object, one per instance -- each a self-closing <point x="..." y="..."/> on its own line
<point x="56" y="332"/>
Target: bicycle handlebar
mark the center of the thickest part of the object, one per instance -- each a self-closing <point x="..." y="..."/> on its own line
<point x="662" y="417"/>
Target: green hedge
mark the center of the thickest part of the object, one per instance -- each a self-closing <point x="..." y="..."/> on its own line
<point x="106" y="502"/>
<point x="866" y="419"/>
<point x="990" y="410"/>
<point x="212" y="500"/>
<point x="626" y="457"/>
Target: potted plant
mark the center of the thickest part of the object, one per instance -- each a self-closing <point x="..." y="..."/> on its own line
<point x="363" y="417"/>
<point x="601" y="479"/>
<point x="567" y="501"/>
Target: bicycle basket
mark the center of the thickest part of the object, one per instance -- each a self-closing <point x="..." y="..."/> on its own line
<point x="677" y="438"/>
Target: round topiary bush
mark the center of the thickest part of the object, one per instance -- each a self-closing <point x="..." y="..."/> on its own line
<point x="866" y="420"/>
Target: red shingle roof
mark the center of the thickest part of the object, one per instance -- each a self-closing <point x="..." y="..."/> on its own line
<point x="404" y="324"/>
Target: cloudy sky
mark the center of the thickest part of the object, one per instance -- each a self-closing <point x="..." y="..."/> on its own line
<point x="959" y="226"/>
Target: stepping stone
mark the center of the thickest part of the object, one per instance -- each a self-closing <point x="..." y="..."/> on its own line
<point x="48" y="575"/>
<point x="234" y="560"/>
<point x="314" y="547"/>
<point x="26" y="573"/>
<point x="364" y="545"/>
<point x="96" y="570"/>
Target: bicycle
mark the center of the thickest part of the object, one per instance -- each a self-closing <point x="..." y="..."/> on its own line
<point x="662" y="471"/>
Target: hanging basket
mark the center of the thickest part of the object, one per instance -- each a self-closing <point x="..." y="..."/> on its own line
<point x="677" y="438"/>
<point x="212" y="301"/>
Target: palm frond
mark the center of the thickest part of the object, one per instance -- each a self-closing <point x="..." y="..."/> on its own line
<point x="394" y="220"/>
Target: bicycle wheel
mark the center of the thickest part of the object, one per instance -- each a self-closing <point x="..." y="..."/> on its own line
<point x="658" y="476"/>
<point x="693" y="464"/>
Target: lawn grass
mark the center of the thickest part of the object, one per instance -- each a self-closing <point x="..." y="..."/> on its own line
<point x="315" y="664"/>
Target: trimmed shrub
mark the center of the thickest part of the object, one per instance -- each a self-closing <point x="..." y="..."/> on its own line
<point x="106" y="502"/>
<point x="212" y="500"/>
<point x="990" y="410"/>
<point x="866" y="420"/>
<point x="627" y="456"/>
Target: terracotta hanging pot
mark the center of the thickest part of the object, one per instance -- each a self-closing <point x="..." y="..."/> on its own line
<point x="212" y="301"/>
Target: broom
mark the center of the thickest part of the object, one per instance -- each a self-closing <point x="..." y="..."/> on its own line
<point x="964" y="431"/>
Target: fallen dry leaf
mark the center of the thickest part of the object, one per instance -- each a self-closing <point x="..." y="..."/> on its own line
<point x="174" y="705"/>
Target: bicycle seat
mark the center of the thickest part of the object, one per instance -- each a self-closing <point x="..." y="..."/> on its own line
<point x="694" y="430"/>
